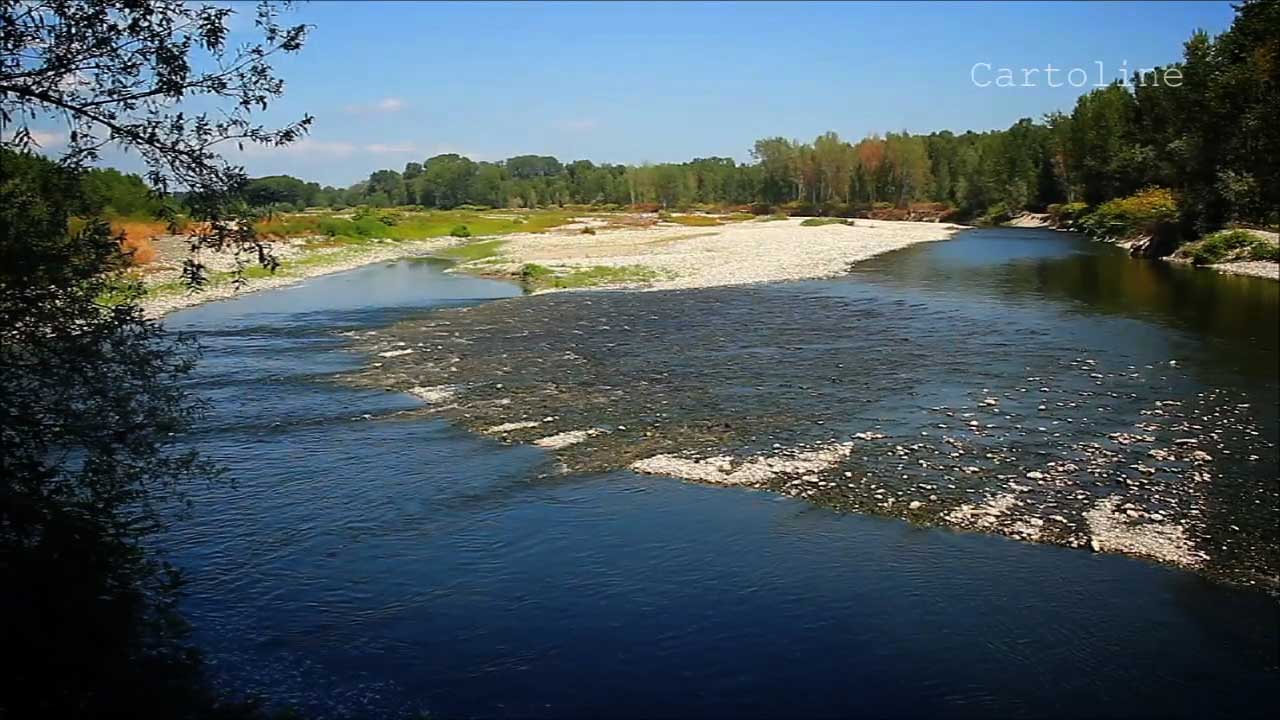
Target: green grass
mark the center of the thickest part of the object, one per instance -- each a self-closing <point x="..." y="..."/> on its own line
<point x="1232" y="245"/>
<point x="540" y="277"/>
<point x="411" y="225"/>
<point x="820" y="221"/>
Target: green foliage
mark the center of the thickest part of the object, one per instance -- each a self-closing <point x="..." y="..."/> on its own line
<point x="1067" y="215"/>
<point x="1228" y="245"/>
<point x="408" y="225"/>
<point x="90" y="400"/>
<point x="539" y="277"/>
<point x="820" y="221"/>
<point x="1139" y="214"/>
<point x="92" y="392"/>
<point x="460" y="231"/>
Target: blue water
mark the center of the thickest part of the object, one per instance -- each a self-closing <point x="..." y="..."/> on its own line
<point x="368" y="563"/>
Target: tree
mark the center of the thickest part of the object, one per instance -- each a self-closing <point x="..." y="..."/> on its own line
<point x="121" y="73"/>
<point x="277" y="190"/>
<point x="445" y="180"/>
<point x="89" y="388"/>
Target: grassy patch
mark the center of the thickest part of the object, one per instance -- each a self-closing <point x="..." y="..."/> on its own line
<point x="410" y="225"/>
<point x="540" y="277"/>
<point x="1231" y="245"/>
<point x="820" y="221"/>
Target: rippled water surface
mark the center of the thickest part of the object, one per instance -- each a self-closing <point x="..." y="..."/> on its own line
<point x="372" y="560"/>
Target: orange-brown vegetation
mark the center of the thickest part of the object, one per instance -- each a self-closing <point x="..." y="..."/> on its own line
<point x="136" y="236"/>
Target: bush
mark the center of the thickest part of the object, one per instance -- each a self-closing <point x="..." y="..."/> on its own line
<point x="817" y="222"/>
<point x="460" y="231"/>
<point x="532" y="273"/>
<point x="371" y="227"/>
<point x="1067" y="215"/>
<point x="139" y="249"/>
<point x="802" y="208"/>
<point x="1228" y="245"/>
<point x="1127" y="217"/>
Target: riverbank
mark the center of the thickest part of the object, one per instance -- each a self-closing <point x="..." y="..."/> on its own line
<point x="616" y="251"/>
<point x="167" y="293"/>
<point x="1238" y="262"/>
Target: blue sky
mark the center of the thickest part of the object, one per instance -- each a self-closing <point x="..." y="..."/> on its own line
<point x="394" y="82"/>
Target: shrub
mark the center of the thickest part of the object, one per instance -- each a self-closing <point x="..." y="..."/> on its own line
<point x="334" y="227"/>
<point x="532" y="273"/>
<point x="460" y="231"/>
<point x="1227" y="245"/>
<point x="370" y="227"/>
<point x="1140" y="214"/>
<point x="135" y="239"/>
<point x="1263" y="250"/>
<point x="817" y="222"/>
<point x="1067" y="215"/>
<point x="139" y="249"/>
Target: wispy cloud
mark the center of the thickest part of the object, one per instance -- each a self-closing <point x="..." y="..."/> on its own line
<point x="385" y="105"/>
<point x="306" y="146"/>
<point x="577" y="124"/>
<point x="331" y="148"/>
<point x="41" y="138"/>
<point x="385" y="149"/>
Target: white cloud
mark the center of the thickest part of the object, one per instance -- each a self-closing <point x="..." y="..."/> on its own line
<point x="331" y="148"/>
<point x="385" y="105"/>
<point x="384" y="149"/>
<point x="41" y="138"/>
<point x="305" y="146"/>
<point x="577" y="124"/>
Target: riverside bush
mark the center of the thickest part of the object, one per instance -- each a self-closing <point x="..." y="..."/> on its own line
<point x="1139" y="214"/>
<point x="1232" y="244"/>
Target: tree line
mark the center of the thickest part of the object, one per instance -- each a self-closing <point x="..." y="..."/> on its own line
<point x="1206" y="132"/>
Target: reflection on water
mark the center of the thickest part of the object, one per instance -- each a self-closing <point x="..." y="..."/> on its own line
<point x="1236" y="313"/>
<point x="365" y="566"/>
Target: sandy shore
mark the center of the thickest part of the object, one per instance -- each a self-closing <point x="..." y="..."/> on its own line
<point x="681" y="257"/>
<point x="319" y="263"/>
<point x="734" y="254"/>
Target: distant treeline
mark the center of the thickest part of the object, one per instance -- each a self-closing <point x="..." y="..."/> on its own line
<point x="1208" y="133"/>
<point x="1205" y="139"/>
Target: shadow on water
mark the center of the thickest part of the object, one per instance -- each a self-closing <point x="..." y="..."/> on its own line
<point x="1034" y="266"/>
<point x="366" y="568"/>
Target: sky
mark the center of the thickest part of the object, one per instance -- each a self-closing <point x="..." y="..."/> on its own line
<point x="395" y="82"/>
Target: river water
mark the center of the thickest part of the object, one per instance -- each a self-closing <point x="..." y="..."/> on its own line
<point x="373" y="558"/>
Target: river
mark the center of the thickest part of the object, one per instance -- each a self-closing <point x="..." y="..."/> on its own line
<point x="372" y="558"/>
